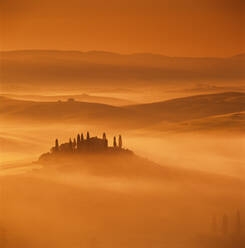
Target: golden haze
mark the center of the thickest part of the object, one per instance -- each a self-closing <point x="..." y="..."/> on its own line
<point x="170" y="27"/>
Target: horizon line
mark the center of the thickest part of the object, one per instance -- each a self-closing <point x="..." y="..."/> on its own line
<point x="115" y="53"/>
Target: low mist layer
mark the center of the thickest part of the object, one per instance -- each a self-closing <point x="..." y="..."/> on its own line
<point x="51" y="71"/>
<point x="109" y="201"/>
<point x="183" y="187"/>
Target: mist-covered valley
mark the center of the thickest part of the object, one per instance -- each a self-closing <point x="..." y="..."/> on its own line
<point x="138" y="77"/>
<point x="184" y="184"/>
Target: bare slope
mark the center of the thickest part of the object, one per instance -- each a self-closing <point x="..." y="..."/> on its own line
<point x="172" y="111"/>
<point x="82" y="97"/>
<point x="66" y="112"/>
<point x="193" y="107"/>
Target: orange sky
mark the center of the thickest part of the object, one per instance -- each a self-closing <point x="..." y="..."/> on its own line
<point x="169" y="27"/>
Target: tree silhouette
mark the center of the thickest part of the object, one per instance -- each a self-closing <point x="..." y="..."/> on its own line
<point x="214" y="224"/>
<point x="3" y="238"/>
<point x="78" y="140"/>
<point x="114" y="142"/>
<point x="70" y="144"/>
<point x="225" y="224"/>
<point x="238" y="223"/>
<point x="56" y="145"/>
<point x="74" y="144"/>
<point x="79" y="144"/>
<point x="120" y="141"/>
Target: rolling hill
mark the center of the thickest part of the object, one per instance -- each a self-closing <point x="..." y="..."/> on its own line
<point x="193" y="107"/>
<point x="83" y="98"/>
<point x="65" y="112"/>
<point x="232" y="122"/>
<point x="174" y="111"/>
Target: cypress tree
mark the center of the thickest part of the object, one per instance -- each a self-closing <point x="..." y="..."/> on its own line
<point x="104" y="136"/>
<point x="114" y="142"/>
<point x="56" y="145"/>
<point x="78" y="140"/>
<point x="70" y="145"/>
<point x="238" y="223"/>
<point x="225" y="224"/>
<point x="120" y="141"/>
<point x="74" y="144"/>
<point x="214" y="224"/>
<point x="88" y="136"/>
<point x="82" y="137"/>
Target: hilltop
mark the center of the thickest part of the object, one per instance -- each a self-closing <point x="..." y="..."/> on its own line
<point x="95" y="156"/>
<point x="80" y="147"/>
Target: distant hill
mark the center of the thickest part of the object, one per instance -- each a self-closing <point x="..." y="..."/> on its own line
<point x="239" y="56"/>
<point x="83" y="98"/>
<point x="232" y="122"/>
<point x="66" y="112"/>
<point x="134" y="116"/>
<point x="193" y="107"/>
<point x="34" y="70"/>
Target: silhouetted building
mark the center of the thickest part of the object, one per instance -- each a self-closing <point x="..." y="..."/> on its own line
<point x="95" y="144"/>
<point x="80" y="144"/>
<point x="90" y="144"/>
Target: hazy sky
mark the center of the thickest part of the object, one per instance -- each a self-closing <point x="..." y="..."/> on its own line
<point x="169" y="27"/>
